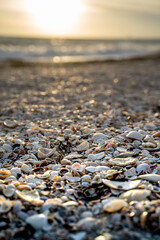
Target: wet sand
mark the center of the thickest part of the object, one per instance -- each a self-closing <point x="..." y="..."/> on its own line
<point x="109" y="97"/>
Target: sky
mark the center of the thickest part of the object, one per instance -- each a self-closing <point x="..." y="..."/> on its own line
<point x="80" y="18"/>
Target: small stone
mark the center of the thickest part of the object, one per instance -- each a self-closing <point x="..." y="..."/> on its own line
<point x="83" y="146"/>
<point x="134" y="135"/>
<point x="15" y="171"/>
<point x="98" y="136"/>
<point x="25" y="168"/>
<point x="115" y="205"/>
<point x="37" y="221"/>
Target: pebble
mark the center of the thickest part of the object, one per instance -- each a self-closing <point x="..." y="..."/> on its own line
<point x="37" y="221"/>
<point x="26" y="168"/>
<point x="134" y="135"/>
<point x="114" y="205"/>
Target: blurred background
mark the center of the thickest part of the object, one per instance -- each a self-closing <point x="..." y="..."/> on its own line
<point x="78" y="30"/>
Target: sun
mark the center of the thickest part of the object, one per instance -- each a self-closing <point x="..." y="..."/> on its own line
<point x="55" y="16"/>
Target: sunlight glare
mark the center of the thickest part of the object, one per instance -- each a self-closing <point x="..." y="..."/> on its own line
<point x="55" y="16"/>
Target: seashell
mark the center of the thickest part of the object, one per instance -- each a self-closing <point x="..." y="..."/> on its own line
<point x="143" y="168"/>
<point x="96" y="156"/>
<point x="150" y="177"/>
<point x="29" y="196"/>
<point x="122" y="162"/>
<point x="16" y="171"/>
<point x="102" y="168"/>
<point x="45" y="152"/>
<point x="73" y="156"/>
<point x="10" y="124"/>
<point x="4" y="173"/>
<point x="24" y="187"/>
<point x="76" y="167"/>
<point x="5" y="206"/>
<point x="44" y="175"/>
<point x="135" y="195"/>
<point x="70" y="203"/>
<point x="134" y="135"/>
<point x="150" y="146"/>
<point x="114" y="205"/>
<point x="99" y="136"/>
<point x="70" y="178"/>
<point x="63" y="171"/>
<point x="25" y="168"/>
<point x="91" y="169"/>
<point x="86" y="178"/>
<point x="65" y="162"/>
<point x="37" y="221"/>
<point x="143" y="219"/>
<point x="157" y="134"/>
<point x="2" y="199"/>
<point x="9" y="191"/>
<point x="122" y="185"/>
<point x="130" y="172"/>
<point x="86" y="132"/>
<point x="7" y="147"/>
<point x="83" y="146"/>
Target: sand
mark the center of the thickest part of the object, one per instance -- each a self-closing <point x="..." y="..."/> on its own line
<point x="109" y="96"/>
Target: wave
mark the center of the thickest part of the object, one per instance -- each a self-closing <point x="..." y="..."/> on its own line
<point x="70" y="50"/>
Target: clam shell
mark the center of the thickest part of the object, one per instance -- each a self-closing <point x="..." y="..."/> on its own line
<point x="114" y="205"/>
<point x="96" y="156"/>
<point x="29" y="196"/>
<point x="5" y="206"/>
<point x="73" y="156"/>
<point x="135" y="195"/>
<point x="70" y="178"/>
<point x="150" y="146"/>
<point x="45" y="152"/>
<point x="122" y="162"/>
<point x="10" y="124"/>
<point x="122" y="185"/>
<point x="4" y="173"/>
<point x="83" y="146"/>
<point x="9" y="191"/>
<point x="150" y="177"/>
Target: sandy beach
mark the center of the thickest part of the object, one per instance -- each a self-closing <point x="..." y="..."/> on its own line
<point x="54" y="120"/>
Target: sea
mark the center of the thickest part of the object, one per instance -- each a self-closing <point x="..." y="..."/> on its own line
<point x="75" y="50"/>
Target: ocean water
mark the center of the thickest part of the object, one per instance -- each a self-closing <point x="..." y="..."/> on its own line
<point x="71" y="50"/>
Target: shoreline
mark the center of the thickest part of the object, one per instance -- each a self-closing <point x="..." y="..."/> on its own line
<point x="20" y="62"/>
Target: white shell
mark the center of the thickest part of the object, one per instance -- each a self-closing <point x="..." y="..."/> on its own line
<point x="10" y="124"/>
<point x="114" y="205"/>
<point x="135" y="135"/>
<point x="96" y="156"/>
<point x="83" y="146"/>
<point x="45" y="152"/>
<point x="122" y="185"/>
<point x="122" y="162"/>
<point x="29" y="196"/>
<point x="150" y="177"/>
<point x="135" y="195"/>
<point x="5" y="206"/>
<point x="73" y="156"/>
<point x="99" y="136"/>
<point x="37" y="221"/>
